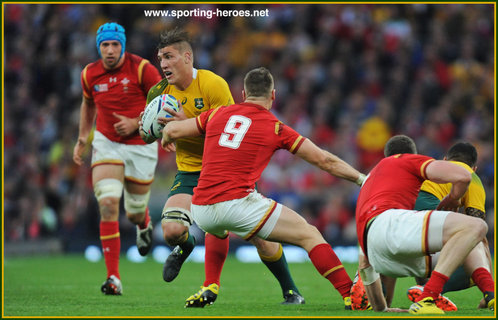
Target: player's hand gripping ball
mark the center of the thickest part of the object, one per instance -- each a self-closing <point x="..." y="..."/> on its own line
<point x="154" y="110"/>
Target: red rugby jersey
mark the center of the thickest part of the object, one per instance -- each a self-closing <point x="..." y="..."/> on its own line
<point x="239" y="142"/>
<point x="122" y="90"/>
<point x="393" y="183"/>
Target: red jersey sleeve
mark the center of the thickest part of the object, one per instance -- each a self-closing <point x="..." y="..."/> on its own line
<point x="203" y="119"/>
<point x="289" y="138"/>
<point x="85" y="84"/>
<point x="417" y="164"/>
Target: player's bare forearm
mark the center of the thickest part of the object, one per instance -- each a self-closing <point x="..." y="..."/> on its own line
<point x="375" y="296"/>
<point x="180" y="129"/>
<point x="388" y="284"/>
<point x="88" y="112"/>
<point x="87" y="118"/>
<point x="329" y="162"/>
<point x="441" y="171"/>
<point x="341" y="169"/>
<point x="372" y="283"/>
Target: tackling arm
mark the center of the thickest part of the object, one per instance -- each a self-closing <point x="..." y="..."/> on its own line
<point x="441" y="171"/>
<point x="180" y="129"/>
<point x="329" y="162"/>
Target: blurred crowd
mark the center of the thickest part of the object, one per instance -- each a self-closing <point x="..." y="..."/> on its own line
<point x="348" y="76"/>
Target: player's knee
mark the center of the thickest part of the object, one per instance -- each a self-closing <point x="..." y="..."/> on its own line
<point x="108" y="192"/>
<point x="109" y="208"/>
<point x="309" y="237"/>
<point x="312" y="231"/>
<point x="174" y="233"/>
<point x="265" y="248"/>
<point x="175" y="223"/>
<point x="480" y="227"/>
<point x="135" y="204"/>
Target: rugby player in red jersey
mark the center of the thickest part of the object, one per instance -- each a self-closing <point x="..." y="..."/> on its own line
<point x="114" y="93"/>
<point x="240" y="139"/>
<point x="398" y="241"/>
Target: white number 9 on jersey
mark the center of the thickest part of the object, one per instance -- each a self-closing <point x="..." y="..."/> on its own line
<point x="234" y="132"/>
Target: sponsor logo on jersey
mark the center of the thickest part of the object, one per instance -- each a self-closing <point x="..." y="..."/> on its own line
<point x="184" y="101"/>
<point x="113" y="79"/>
<point x="199" y="103"/>
<point x="101" y="87"/>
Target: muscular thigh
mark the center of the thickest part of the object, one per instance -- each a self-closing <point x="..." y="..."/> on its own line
<point x="181" y="200"/>
<point x="107" y="171"/>
<point x="293" y="229"/>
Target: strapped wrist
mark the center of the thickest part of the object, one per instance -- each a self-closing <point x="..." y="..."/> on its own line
<point x="360" y="179"/>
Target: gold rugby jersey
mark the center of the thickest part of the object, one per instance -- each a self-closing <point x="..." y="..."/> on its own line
<point x="207" y="91"/>
<point x="475" y="196"/>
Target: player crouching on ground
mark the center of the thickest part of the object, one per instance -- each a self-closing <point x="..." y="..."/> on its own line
<point x="389" y="231"/>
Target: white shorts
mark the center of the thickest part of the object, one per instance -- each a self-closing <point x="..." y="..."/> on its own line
<point x="247" y="217"/>
<point x="400" y="242"/>
<point x="139" y="161"/>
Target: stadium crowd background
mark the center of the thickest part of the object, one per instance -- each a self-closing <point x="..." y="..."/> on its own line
<point x="347" y="76"/>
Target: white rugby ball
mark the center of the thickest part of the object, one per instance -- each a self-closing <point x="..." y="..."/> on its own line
<point x="154" y="110"/>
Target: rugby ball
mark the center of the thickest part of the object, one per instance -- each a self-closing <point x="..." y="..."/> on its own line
<point x="155" y="109"/>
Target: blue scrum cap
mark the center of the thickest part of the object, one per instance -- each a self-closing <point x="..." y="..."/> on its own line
<point x="111" y="31"/>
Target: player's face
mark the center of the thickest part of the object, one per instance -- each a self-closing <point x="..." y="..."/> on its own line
<point x="110" y="51"/>
<point x="174" y="64"/>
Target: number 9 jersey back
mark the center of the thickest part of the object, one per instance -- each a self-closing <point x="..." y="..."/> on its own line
<point x="239" y="142"/>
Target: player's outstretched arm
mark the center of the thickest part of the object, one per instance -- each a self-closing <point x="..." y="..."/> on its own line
<point x="179" y="129"/>
<point x="329" y="162"/>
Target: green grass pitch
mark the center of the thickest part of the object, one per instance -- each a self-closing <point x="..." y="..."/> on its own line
<point x="69" y="286"/>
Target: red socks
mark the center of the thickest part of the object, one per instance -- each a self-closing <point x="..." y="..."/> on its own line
<point x="215" y="256"/>
<point x="483" y="280"/>
<point x="434" y="286"/>
<point x="111" y="245"/>
<point x="144" y="224"/>
<point x="328" y="264"/>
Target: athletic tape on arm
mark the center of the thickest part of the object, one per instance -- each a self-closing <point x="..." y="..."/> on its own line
<point x="368" y="275"/>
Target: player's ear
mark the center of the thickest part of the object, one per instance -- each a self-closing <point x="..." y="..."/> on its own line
<point x="474" y="168"/>
<point x="273" y="94"/>
<point x="244" y="95"/>
<point x="187" y="57"/>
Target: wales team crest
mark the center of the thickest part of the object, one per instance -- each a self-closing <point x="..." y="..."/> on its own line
<point x="199" y="103"/>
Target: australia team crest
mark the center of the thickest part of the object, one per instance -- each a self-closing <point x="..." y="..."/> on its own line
<point x="199" y="103"/>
